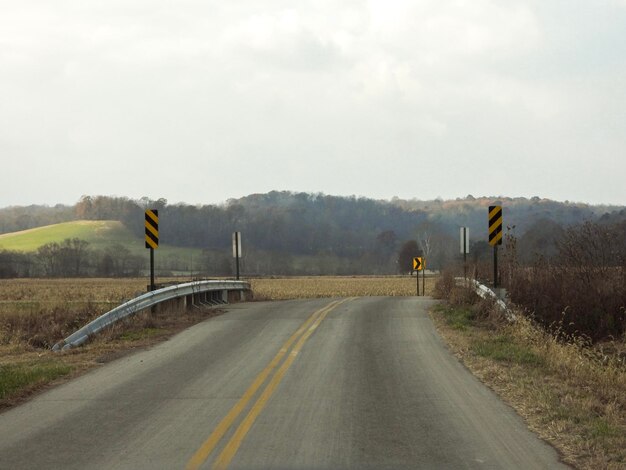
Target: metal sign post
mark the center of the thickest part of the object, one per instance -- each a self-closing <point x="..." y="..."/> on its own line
<point x="423" y="277"/>
<point x="237" y="250"/>
<point x="417" y="279"/>
<point x="495" y="237"/>
<point x="418" y="266"/>
<point x="495" y="266"/>
<point x="152" y="287"/>
<point x="152" y="238"/>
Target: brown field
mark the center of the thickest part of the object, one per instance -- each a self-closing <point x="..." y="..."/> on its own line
<point x="36" y="313"/>
<point x="28" y="294"/>
<point x="358" y="286"/>
<point x="70" y="290"/>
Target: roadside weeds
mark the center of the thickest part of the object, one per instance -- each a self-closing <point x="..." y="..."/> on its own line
<point x="26" y="369"/>
<point x="571" y="394"/>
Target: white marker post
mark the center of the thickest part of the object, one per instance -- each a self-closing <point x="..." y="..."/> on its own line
<point x="237" y="249"/>
<point x="464" y="236"/>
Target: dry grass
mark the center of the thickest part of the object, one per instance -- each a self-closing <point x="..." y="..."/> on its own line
<point x="40" y="312"/>
<point x="25" y="369"/>
<point x="36" y="313"/>
<point x="572" y="395"/>
<point x="95" y="290"/>
<point x="312" y="287"/>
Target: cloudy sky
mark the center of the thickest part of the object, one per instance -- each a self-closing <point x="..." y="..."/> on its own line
<point x="200" y="100"/>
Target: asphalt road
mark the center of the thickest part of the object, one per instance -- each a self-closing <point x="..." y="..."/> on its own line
<point x="326" y="383"/>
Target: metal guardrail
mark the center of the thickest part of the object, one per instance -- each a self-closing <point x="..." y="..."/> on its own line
<point x="146" y="301"/>
<point x="487" y="293"/>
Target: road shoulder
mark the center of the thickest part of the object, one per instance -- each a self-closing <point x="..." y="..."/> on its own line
<point x="584" y="424"/>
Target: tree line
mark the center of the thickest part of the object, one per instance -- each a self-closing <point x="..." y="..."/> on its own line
<point x="71" y="258"/>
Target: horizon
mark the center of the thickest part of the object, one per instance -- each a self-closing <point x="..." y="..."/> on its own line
<point x="389" y="200"/>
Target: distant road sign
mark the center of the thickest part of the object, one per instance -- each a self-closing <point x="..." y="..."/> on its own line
<point x="152" y="228"/>
<point x="418" y="265"/>
<point x="495" y="225"/>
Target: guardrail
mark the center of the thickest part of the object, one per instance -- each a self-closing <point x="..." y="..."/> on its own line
<point x="487" y="293"/>
<point x="202" y="292"/>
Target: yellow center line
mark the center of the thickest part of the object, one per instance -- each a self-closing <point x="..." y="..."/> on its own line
<point x="235" y="442"/>
<point x="207" y="447"/>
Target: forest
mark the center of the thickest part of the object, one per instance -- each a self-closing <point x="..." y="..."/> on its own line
<point x="289" y="233"/>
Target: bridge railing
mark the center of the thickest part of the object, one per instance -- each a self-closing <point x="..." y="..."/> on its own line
<point x="202" y="292"/>
<point x="487" y="293"/>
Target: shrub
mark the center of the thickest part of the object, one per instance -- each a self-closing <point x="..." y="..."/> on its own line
<point x="582" y="290"/>
<point x="444" y="285"/>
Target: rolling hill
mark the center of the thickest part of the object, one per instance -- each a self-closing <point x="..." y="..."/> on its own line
<point x="298" y="233"/>
<point x="99" y="233"/>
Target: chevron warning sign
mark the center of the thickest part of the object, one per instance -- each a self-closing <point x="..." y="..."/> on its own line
<point x="152" y="228"/>
<point x="418" y="265"/>
<point x="495" y="225"/>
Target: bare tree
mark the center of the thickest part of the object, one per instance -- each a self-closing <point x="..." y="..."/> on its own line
<point x="48" y="256"/>
<point x="425" y="243"/>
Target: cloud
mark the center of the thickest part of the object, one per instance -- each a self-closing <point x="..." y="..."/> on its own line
<point x="288" y="86"/>
<point x="456" y="28"/>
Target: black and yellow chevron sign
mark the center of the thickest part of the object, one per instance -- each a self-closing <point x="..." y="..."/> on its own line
<point x="152" y="228"/>
<point x="495" y="225"/>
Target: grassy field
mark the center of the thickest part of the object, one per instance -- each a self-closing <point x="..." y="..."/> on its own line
<point x="99" y="234"/>
<point x="571" y="394"/>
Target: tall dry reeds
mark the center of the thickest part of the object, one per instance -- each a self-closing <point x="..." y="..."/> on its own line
<point x="579" y="292"/>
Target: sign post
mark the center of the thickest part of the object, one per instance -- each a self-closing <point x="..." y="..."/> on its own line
<point x="418" y="266"/>
<point x="237" y="250"/>
<point x="423" y="276"/>
<point x="152" y="238"/>
<point x="464" y="236"/>
<point x="495" y="237"/>
<point x="417" y="282"/>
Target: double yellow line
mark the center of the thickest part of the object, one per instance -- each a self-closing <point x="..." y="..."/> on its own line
<point x="229" y="451"/>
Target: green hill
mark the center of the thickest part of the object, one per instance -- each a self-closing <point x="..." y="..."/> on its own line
<point x="99" y="234"/>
